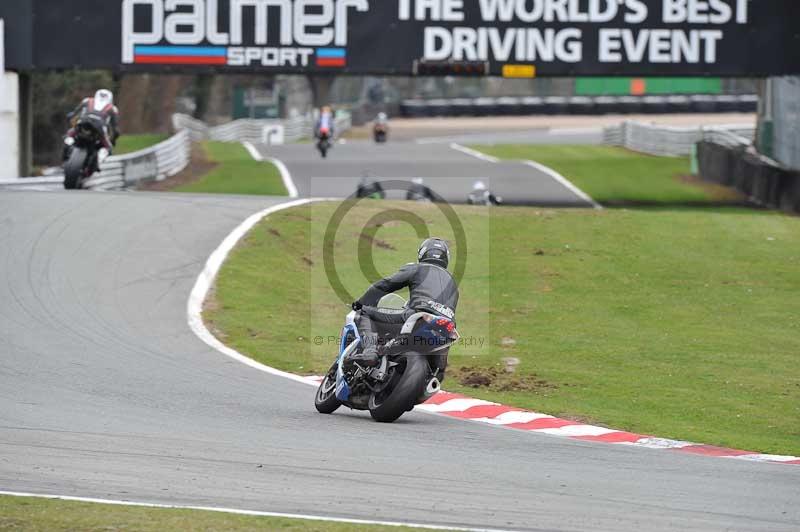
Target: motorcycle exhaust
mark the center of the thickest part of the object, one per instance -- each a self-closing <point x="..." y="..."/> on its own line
<point x="433" y="387"/>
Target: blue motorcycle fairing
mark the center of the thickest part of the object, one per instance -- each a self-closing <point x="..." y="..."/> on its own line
<point x="342" y="388"/>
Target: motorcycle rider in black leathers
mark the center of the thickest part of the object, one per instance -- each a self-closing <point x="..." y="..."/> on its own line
<point x="431" y="289"/>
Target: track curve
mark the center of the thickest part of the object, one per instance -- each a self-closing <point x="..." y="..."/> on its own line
<point x="107" y="393"/>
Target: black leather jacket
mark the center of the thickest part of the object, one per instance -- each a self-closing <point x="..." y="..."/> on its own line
<point x="431" y="288"/>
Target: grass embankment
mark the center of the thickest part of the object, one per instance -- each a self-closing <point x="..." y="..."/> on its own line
<point x="132" y="143"/>
<point x="682" y="323"/>
<point x="34" y="514"/>
<point x="235" y="172"/>
<point x="615" y="176"/>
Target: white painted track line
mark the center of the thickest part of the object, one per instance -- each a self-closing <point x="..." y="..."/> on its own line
<point x="474" y="153"/>
<point x="238" y="511"/>
<point x="564" y="181"/>
<point x="206" y="280"/>
<point x="286" y="176"/>
<point x="533" y="164"/>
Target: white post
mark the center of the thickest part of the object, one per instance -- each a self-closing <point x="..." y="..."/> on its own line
<point x="2" y="48"/>
<point x="9" y="116"/>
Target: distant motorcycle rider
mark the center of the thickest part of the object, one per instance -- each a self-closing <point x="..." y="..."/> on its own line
<point x="369" y="188"/>
<point x="481" y="195"/>
<point x="419" y="191"/>
<point x="101" y="105"/>
<point x="325" y="124"/>
<point x="431" y="289"/>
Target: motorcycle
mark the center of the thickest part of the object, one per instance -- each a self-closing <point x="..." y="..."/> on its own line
<point x="410" y="370"/>
<point x="324" y="142"/>
<point x="82" y="156"/>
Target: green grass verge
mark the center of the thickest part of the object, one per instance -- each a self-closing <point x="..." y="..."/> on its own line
<point x="681" y="323"/>
<point x="132" y="143"/>
<point x="46" y="515"/>
<point x="612" y="175"/>
<point x="236" y="173"/>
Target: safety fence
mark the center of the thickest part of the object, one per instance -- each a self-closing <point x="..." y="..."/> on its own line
<point x="757" y="177"/>
<point x="673" y="141"/>
<point x="157" y="162"/>
<point x="257" y="130"/>
<point x="579" y="105"/>
<point x="120" y="172"/>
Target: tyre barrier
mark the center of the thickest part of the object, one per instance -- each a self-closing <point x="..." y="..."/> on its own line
<point x="463" y="107"/>
<point x="760" y="179"/>
<point x="579" y="105"/>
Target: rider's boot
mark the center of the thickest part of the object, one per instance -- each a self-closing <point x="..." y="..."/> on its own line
<point x="369" y="355"/>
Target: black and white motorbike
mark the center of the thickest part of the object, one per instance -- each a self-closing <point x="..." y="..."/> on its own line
<point x="410" y="371"/>
<point x="84" y="151"/>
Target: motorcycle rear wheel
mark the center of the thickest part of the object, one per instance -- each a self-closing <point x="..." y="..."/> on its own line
<point x="74" y="169"/>
<point x="325" y="401"/>
<point x="404" y="389"/>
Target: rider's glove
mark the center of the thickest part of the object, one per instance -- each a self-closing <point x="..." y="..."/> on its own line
<point x="356" y="305"/>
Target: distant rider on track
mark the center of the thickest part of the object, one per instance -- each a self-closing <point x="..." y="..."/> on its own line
<point x="102" y="106"/>
<point x="325" y="123"/>
<point x="431" y="289"/>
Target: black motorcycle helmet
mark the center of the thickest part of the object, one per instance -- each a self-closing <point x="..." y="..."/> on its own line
<point x="434" y="251"/>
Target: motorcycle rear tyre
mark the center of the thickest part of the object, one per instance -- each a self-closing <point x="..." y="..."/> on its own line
<point x="404" y="396"/>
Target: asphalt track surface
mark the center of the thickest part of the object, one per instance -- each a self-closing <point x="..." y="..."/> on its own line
<point x="107" y="393"/>
<point x="448" y="172"/>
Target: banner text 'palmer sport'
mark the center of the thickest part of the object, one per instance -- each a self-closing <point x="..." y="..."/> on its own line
<point x="546" y="37"/>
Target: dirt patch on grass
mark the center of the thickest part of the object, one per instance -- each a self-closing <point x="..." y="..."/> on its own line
<point x="378" y="242"/>
<point x="199" y="165"/>
<point x="717" y="193"/>
<point x="499" y="380"/>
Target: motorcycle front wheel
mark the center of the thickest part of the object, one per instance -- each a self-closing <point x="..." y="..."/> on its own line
<point x="405" y="386"/>
<point x="74" y="169"/>
<point x="325" y="400"/>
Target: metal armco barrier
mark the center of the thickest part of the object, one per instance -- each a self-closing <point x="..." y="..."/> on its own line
<point x="753" y="175"/>
<point x="580" y="105"/>
<point x="251" y="130"/>
<point x="673" y="141"/>
<point x="157" y="162"/>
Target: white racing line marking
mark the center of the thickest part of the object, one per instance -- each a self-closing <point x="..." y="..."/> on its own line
<point x="285" y="175"/>
<point x="255" y="513"/>
<point x="565" y="182"/>
<point x="474" y="153"/>
<point x="206" y="279"/>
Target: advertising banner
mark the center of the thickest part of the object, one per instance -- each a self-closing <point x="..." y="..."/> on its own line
<point x="518" y="38"/>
